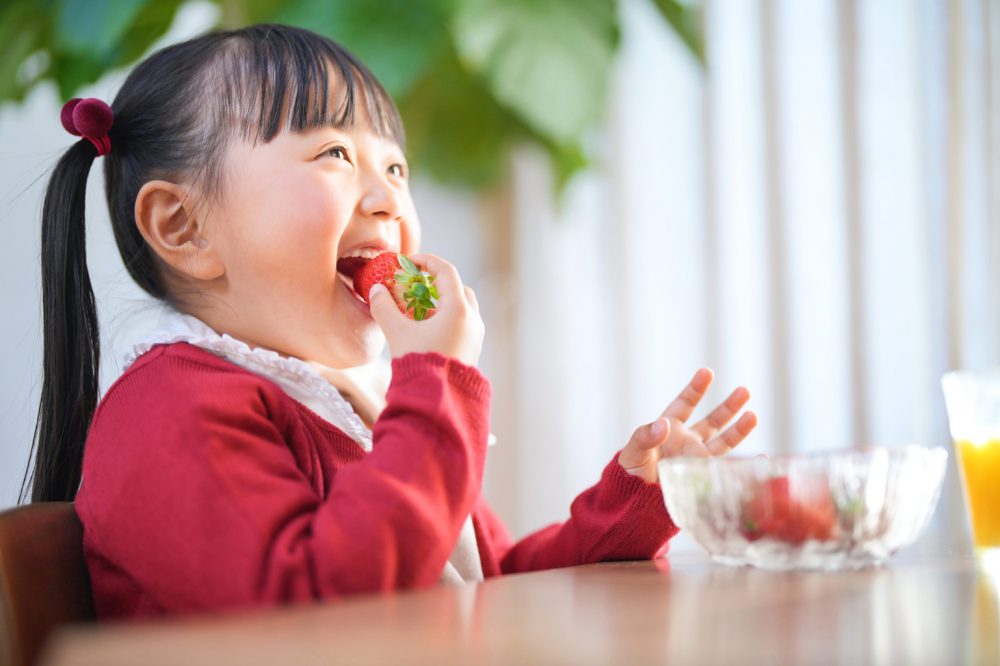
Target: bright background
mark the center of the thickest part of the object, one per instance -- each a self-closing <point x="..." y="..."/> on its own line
<point x="815" y="215"/>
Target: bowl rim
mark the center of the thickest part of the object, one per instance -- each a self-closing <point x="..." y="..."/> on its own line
<point x="934" y="452"/>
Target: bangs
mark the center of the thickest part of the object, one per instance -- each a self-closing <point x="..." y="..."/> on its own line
<point x="278" y="78"/>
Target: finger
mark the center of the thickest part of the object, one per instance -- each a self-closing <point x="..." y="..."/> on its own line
<point x="470" y="296"/>
<point x="446" y="276"/>
<point x="383" y="308"/>
<point x="721" y="415"/>
<point x="733" y="435"/>
<point x="645" y="438"/>
<point x="684" y="404"/>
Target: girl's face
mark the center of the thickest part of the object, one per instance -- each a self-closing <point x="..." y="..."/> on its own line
<point x="293" y="207"/>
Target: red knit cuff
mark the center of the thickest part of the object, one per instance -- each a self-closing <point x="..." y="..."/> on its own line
<point x="631" y="488"/>
<point x="464" y="377"/>
<point x="649" y="523"/>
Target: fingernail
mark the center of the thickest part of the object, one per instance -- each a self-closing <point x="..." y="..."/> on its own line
<point x="377" y="288"/>
<point x="656" y="428"/>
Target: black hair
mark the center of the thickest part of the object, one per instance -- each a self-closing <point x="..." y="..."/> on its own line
<point x="173" y="118"/>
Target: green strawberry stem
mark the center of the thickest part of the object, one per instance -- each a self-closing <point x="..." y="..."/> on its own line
<point x="419" y="293"/>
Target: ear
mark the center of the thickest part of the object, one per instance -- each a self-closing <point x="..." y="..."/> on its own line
<point x="163" y="213"/>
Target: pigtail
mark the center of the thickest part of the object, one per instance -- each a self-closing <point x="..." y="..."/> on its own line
<point x="71" y="339"/>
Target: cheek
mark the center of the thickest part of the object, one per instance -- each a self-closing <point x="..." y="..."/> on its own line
<point x="289" y="230"/>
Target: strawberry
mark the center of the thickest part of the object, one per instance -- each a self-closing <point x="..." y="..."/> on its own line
<point x="772" y="511"/>
<point x="412" y="289"/>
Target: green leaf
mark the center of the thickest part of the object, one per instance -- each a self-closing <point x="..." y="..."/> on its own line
<point x="240" y="13"/>
<point x="407" y="265"/>
<point x="151" y="24"/>
<point x="455" y="129"/>
<point x="566" y="162"/>
<point x="74" y="72"/>
<point x="396" y="39"/>
<point x="22" y="30"/>
<point x="93" y="27"/>
<point x="686" y="21"/>
<point x="421" y="291"/>
<point x="549" y="62"/>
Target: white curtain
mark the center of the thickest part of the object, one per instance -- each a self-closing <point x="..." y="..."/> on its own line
<point x="816" y="215"/>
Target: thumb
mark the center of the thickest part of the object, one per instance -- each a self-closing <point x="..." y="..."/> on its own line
<point x="383" y="307"/>
<point x="652" y="435"/>
<point x="645" y="438"/>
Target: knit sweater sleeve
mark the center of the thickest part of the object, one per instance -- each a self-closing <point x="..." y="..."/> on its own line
<point x="621" y="517"/>
<point x="191" y="490"/>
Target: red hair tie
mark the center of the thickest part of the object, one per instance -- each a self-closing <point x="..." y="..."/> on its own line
<point x="90" y="118"/>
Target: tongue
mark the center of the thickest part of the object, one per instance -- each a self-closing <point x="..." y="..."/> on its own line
<point x="349" y="266"/>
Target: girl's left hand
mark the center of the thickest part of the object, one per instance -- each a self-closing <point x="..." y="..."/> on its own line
<point x="668" y="436"/>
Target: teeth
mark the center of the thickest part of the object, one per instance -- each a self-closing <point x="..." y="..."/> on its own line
<point x="346" y="280"/>
<point x="364" y="253"/>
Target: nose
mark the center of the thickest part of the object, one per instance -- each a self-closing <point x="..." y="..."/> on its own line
<point x="380" y="200"/>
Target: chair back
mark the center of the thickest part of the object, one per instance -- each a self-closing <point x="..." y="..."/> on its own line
<point x="43" y="578"/>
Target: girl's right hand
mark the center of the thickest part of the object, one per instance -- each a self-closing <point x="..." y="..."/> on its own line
<point x="455" y="330"/>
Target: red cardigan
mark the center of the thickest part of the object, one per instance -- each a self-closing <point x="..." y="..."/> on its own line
<point x="206" y="487"/>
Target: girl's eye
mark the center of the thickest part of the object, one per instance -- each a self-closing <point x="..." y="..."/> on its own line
<point x="337" y="151"/>
<point x="397" y="170"/>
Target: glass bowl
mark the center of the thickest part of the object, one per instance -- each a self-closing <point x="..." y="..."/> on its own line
<point x="834" y="510"/>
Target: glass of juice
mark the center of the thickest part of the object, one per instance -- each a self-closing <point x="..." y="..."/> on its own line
<point x="973" y="403"/>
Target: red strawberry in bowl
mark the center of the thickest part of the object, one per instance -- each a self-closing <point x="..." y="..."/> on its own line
<point x="412" y="289"/>
<point x="793" y="514"/>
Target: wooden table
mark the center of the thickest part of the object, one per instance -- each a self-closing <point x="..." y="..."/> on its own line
<point x="685" y="610"/>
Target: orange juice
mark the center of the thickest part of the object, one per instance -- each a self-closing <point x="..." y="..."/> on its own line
<point x="980" y="464"/>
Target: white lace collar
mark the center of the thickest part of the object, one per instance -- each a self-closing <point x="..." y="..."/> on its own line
<point x="296" y="378"/>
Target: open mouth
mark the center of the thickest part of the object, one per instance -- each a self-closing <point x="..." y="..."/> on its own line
<point x="349" y="265"/>
<point x="347" y="268"/>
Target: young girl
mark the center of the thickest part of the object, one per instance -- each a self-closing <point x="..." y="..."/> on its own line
<point x="251" y="453"/>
